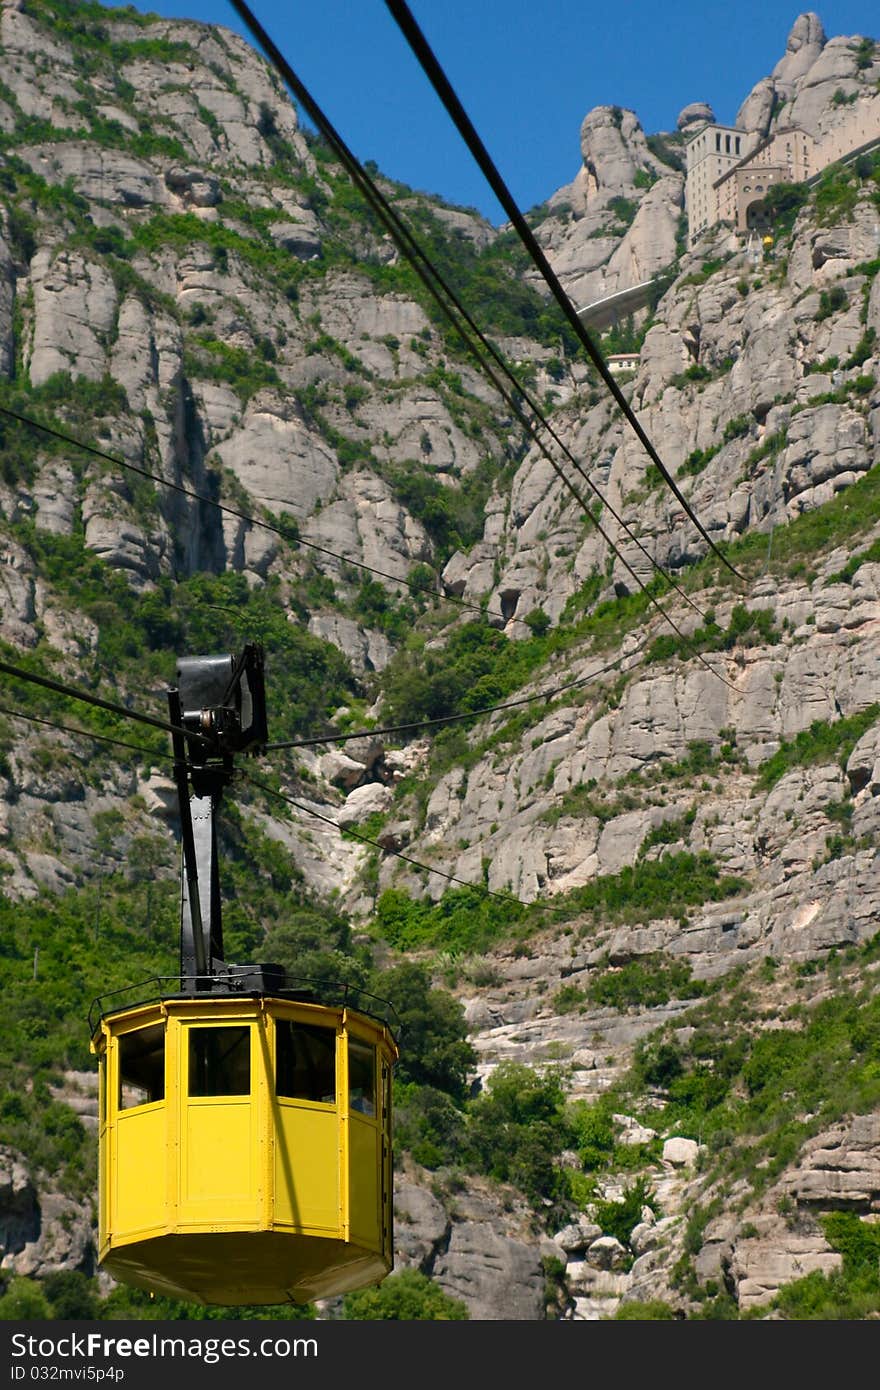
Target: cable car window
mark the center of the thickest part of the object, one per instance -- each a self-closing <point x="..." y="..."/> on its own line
<point x="305" y="1061"/>
<point x="141" y="1067"/>
<point x="361" y="1077"/>
<point x="219" y="1061"/>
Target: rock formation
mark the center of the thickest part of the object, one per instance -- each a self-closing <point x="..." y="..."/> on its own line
<point x="183" y="281"/>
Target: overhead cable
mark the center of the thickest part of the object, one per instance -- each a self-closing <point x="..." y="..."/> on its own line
<point x="425" y="267"/>
<point x="147" y="753"/>
<point x="438" y="79"/>
<point x="72" y="693"/>
<point x="290" y="535"/>
<point x="404" y="241"/>
<point x="398" y="854"/>
<point x="541" y="695"/>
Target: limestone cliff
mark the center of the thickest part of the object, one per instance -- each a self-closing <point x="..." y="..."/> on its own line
<point x="187" y="282"/>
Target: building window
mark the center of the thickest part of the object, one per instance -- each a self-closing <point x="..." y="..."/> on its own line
<point x="361" y="1077"/>
<point x="737" y="144"/>
<point x="727" y="144"/>
<point x="305" y="1061"/>
<point x="220" y="1061"/>
<point x="718" y="142"/>
<point x="141" y="1067"/>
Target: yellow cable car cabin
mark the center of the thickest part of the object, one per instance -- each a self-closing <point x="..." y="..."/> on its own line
<point x="245" y="1121"/>
<point x="245" y="1148"/>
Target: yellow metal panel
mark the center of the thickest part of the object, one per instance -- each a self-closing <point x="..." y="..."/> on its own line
<point x="248" y="1199"/>
<point x="218" y="1161"/>
<point x="344" y="1144"/>
<point x="173" y="1078"/>
<point x="139" y="1170"/>
<point x="218" y="1157"/>
<point x="307" y="1167"/>
<point x="264" y="1071"/>
<point x="365" y="1178"/>
<point x="245" y="1267"/>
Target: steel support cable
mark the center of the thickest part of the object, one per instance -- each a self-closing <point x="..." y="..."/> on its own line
<point x="288" y="535"/>
<point x="432" y="278"/>
<point x="508" y="898"/>
<point x="147" y="753"/>
<point x="418" y="43"/>
<point x="376" y="199"/>
<point x="73" y="694"/>
<point x="541" y="695"/>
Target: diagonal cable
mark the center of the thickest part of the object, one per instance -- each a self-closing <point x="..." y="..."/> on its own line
<point x="425" y="268"/>
<point x="71" y="693"/>
<point x="540" y="696"/>
<point x="398" y="854"/>
<point x="438" y="79"/>
<point x="290" y="535"/>
<point x="147" y="753"/>
<point x="376" y="199"/>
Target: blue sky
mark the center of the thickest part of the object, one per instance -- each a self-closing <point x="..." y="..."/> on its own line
<point x="527" y="72"/>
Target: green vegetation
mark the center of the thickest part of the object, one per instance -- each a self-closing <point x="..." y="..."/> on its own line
<point x="796" y="545"/>
<point x="697" y="460"/>
<point x="750" y="1093"/>
<point x="478" y="666"/>
<point x="453" y="517"/>
<point x="747" y="627"/>
<point x="869" y="556"/>
<point x="311" y="945"/>
<point x="836" y="195"/>
<point x="70" y="1295"/>
<point x="668" y="148"/>
<point x="432" y="1032"/>
<point x="754" y="1096"/>
<point x="645" y="983"/>
<point x="492" y="283"/>
<point x="517" y="1127"/>
<point x="822" y="742"/>
<point x="57" y="956"/>
<point x="620" y="1218"/>
<point x="783" y="202"/>
<point x="405" y="1297"/>
<point x="831" y="302"/>
<point x="60" y="403"/>
<point x="210" y="359"/>
<point x="181" y="230"/>
<point x="853" y="1291"/>
<point x="655" y="1310"/>
<point x="664" y="887"/>
<point x="140" y="635"/>
<point x="583" y="800"/>
<point x="464" y="919"/>
<point x="568" y="998"/>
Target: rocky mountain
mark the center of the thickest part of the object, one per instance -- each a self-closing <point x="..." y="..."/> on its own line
<point x="670" y="986"/>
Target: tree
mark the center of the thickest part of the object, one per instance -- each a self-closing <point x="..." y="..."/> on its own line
<point x="108" y="825"/>
<point x="783" y="202"/>
<point x="71" y="1294"/>
<point x="538" y="621"/>
<point x="314" y="946"/>
<point x="428" y="1123"/>
<point x="24" y="1301"/>
<point x="434" y="1050"/>
<point x="405" y="1297"/>
<point x="517" y="1130"/>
